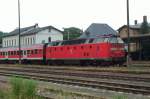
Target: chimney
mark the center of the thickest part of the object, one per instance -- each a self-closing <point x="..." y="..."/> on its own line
<point x="36" y="25"/>
<point x="135" y="22"/>
<point x="144" y="18"/>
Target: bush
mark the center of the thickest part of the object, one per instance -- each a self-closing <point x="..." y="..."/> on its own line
<point x="23" y="88"/>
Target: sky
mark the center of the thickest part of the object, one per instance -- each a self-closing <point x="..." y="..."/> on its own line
<point x="71" y="13"/>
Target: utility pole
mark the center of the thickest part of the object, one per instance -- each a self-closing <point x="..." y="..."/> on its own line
<point x="128" y="32"/>
<point x="19" y="31"/>
<point x="68" y="34"/>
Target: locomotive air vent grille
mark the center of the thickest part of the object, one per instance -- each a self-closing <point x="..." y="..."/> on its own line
<point x="68" y="48"/>
<point x="74" y="48"/>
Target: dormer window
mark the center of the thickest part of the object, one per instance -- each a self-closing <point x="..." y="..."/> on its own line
<point x="36" y="25"/>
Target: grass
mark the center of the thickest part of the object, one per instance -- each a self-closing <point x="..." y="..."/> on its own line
<point x="120" y="97"/>
<point x="21" y="89"/>
<point x="63" y="94"/>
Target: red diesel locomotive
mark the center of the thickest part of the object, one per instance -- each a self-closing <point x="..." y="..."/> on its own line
<point x="90" y="51"/>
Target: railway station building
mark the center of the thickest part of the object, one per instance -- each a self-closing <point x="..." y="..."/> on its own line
<point x="32" y="35"/>
<point x="139" y="43"/>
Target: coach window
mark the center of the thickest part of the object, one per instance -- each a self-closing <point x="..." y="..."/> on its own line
<point x="35" y="51"/>
<point x="14" y="52"/>
<point x="3" y="53"/>
<point x="24" y="52"/>
<point x="17" y="52"/>
<point x="21" y="52"/>
<point x="32" y="52"/>
<point x="28" y="51"/>
<point x="6" y="53"/>
<point x="11" y="52"/>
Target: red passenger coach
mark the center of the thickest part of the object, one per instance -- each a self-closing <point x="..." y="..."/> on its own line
<point x="86" y="51"/>
<point x="32" y="53"/>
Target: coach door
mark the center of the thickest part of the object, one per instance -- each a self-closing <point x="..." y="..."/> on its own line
<point x="25" y="54"/>
<point x="6" y="54"/>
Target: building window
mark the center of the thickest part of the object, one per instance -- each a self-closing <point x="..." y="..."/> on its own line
<point x="28" y="41"/>
<point x="33" y="40"/>
<point x="4" y="43"/>
<point x="49" y="39"/>
<point x="12" y="42"/>
<point x="9" y="43"/>
<point x="43" y="41"/>
<point x="15" y="42"/>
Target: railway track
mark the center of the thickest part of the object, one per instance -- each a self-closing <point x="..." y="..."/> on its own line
<point x="130" y="70"/>
<point x="109" y="75"/>
<point x="86" y="79"/>
<point x="140" y="63"/>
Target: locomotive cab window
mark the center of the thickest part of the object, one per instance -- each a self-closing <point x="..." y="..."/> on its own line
<point x="113" y="40"/>
<point x="119" y="40"/>
<point x="91" y="40"/>
<point x="98" y="40"/>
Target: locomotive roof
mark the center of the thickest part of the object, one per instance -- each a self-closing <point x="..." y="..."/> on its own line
<point x="97" y="29"/>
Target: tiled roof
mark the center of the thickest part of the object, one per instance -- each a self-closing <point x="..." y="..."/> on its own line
<point x="29" y="30"/>
<point x="97" y="29"/>
<point x="137" y="26"/>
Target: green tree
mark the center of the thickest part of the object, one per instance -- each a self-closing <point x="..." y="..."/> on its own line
<point x="145" y="28"/>
<point x="73" y="33"/>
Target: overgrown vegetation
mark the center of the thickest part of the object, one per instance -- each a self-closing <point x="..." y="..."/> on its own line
<point x="21" y="89"/>
<point x="120" y="97"/>
<point x="63" y="94"/>
<point x="72" y="32"/>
